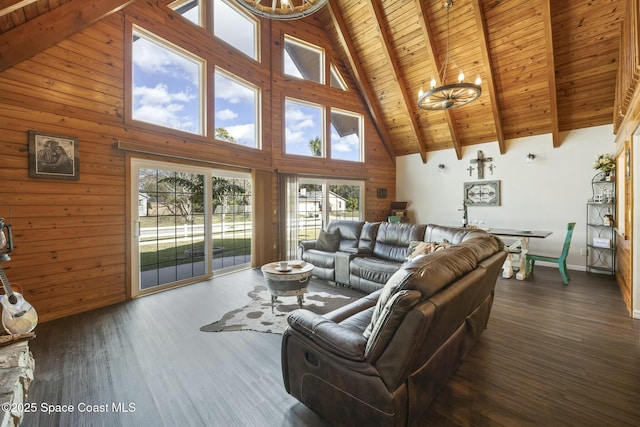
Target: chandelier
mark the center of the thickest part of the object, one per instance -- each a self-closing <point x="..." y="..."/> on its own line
<point x="451" y="95"/>
<point x="282" y="9"/>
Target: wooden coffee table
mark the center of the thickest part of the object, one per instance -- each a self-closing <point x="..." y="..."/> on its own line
<point x="292" y="282"/>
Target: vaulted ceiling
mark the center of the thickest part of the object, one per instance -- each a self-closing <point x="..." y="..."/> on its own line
<point x="546" y="66"/>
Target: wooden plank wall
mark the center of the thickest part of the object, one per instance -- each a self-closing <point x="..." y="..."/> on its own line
<point x="626" y="122"/>
<point x="70" y="236"/>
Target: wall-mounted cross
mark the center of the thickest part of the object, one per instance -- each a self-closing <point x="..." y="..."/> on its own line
<point x="479" y="161"/>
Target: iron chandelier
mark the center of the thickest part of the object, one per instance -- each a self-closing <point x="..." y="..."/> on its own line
<point x="451" y="95"/>
<point x="282" y="9"/>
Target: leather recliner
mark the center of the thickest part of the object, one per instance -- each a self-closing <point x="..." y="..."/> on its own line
<point x="381" y="360"/>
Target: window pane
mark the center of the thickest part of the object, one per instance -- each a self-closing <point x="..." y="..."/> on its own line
<point x="336" y="79"/>
<point x="303" y="60"/>
<point x="235" y="28"/>
<point x="346" y="143"/>
<point x="236" y="111"/>
<point x="167" y="85"/>
<point x="189" y="9"/>
<point x="344" y="202"/>
<point x="303" y="129"/>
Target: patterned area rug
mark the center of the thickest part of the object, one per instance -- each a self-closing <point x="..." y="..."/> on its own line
<point x="258" y="316"/>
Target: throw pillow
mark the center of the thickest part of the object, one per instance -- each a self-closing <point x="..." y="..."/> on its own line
<point x="422" y="248"/>
<point x="328" y="242"/>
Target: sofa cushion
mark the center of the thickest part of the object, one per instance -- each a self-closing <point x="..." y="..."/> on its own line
<point x="373" y="269"/>
<point x="368" y="237"/>
<point x="328" y="241"/>
<point x="393" y="240"/>
<point x="349" y="232"/>
<point x="391" y="316"/>
<point x="427" y="274"/>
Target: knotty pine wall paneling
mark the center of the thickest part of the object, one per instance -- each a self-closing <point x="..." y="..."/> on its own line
<point x="70" y="236"/>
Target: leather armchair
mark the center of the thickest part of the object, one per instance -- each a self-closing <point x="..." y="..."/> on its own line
<point x="381" y="360"/>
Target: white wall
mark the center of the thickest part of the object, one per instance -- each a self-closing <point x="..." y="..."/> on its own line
<point x="543" y="195"/>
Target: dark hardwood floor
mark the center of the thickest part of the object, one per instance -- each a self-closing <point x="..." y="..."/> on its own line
<point x="552" y="355"/>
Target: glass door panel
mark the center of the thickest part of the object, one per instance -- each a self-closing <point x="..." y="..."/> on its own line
<point x="170" y="226"/>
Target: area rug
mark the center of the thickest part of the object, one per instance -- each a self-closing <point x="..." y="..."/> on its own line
<point x="258" y="316"/>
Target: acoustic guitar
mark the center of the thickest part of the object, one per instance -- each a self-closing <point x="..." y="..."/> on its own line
<point x="18" y="316"/>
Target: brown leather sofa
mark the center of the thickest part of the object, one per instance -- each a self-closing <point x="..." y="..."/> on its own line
<point x="381" y="360"/>
<point x="369" y="253"/>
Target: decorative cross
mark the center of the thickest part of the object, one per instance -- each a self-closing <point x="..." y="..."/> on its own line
<point x="470" y="169"/>
<point x="479" y="161"/>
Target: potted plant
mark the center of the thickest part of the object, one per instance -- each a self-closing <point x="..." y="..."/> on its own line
<point x="605" y="163"/>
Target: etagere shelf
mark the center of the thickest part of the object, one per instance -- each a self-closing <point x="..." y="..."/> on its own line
<point x="601" y="236"/>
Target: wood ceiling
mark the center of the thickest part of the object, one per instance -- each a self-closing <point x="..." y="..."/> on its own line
<point x="547" y="66"/>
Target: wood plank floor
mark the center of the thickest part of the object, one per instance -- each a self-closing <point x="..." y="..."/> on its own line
<point x="552" y="355"/>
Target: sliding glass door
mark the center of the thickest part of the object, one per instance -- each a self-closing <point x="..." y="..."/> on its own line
<point x="186" y="223"/>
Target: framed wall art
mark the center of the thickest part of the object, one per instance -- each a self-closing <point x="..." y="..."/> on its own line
<point x="53" y="156"/>
<point x="482" y="193"/>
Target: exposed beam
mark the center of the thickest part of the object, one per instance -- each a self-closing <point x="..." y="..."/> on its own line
<point x="8" y="6"/>
<point x="551" y="72"/>
<point x="488" y="73"/>
<point x="433" y="57"/>
<point x="46" y="30"/>
<point x="359" y="76"/>
<point x="392" y="59"/>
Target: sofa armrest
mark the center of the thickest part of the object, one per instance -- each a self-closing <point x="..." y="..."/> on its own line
<point x="331" y="336"/>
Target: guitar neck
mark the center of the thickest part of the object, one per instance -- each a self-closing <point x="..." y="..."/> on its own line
<point x="7" y="287"/>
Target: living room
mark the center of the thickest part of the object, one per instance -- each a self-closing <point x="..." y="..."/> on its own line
<point x="74" y="80"/>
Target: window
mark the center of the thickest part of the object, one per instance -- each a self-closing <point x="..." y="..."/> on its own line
<point x="304" y="128"/>
<point x="336" y="78"/>
<point x="189" y="9"/>
<point x="346" y="140"/>
<point x="236" y="28"/>
<point x="167" y="84"/>
<point x="303" y="60"/>
<point x="321" y="201"/>
<point x="236" y="110"/>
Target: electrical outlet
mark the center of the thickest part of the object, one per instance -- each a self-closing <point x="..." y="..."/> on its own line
<point x="584" y="251"/>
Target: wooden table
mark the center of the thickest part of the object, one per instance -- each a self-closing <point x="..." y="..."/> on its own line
<point x="522" y="241"/>
<point x="292" y="282"/>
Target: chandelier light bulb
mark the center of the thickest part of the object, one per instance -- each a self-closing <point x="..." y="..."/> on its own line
<point x="420" y="92"/>
<point x="433" y="82"/>
<point x="461" y="77"/>
<point x="478" y="80"/>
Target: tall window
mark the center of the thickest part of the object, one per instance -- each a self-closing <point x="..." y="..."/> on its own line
<point x="303" y="60"/>
<point x="346" y="135"/>
<point x="236" y="28"/>
<point x="304" y="128"/>
<point x="167" y="84"/>
<point x="236" y="110"/>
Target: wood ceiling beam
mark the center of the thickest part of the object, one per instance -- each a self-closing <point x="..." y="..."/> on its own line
<point x="8" y="6"/>
<point x="48" y="29"/>
<point x="392" y="60"/>
<point x="551" y="72"/>
<point x="359" y="76"/>
<point x="428" y="35"/>
<point x="496" y="108"/>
